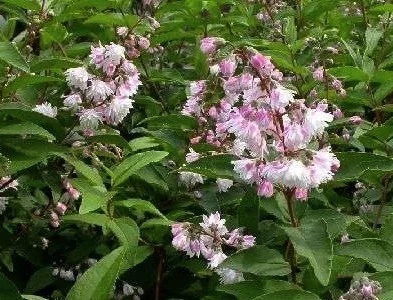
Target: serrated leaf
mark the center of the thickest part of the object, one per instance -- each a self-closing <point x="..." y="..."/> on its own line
<point x="98" y="281"/>
<point x="24" y="129"/>
<point x="314" y="243"/>
<point x="140" y="205"/>
<point x="135" y="162"/>
<point x="258" y="260"/>
<point x="11" y="55"/>
<point x="376" y="252"/>
<point x="289" y="294"/>
<point x="8" y="290"/>
<point x="93" y="197"/>
<point x="88" y="172"/>
<point x="215" y="166"/>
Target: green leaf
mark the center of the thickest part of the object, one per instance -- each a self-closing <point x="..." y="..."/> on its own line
<point x="39" y="280"/>
<point x="385" y="279"/>
<point x="57" y="63"/>
<point x="373" y="35"/>
<point x="135" y="162"/>
<point x="258" y="260"/>
<point x="98" y="281"/>
<point x="8" y="290"/>
<point x="88" y="172"/>
<point x="28" y="80"/>
<point x="179" y="122"/>
<point x="90" y="218"/>
<point x="289" y="294"/>
<point x="140" y="205"/>
<point x="376" y="252"/>
<point x="354" y="164"/>
<point x="11" y="55"/>
<point x="127" y="232"/>
<point x="214" y="166"/>
<point x="26" y="128"/>
<point x="93" y="197"/>
<point x="314" y="243"/>
<point x="53" y="33"/>
<point x="143" y="143"/>
<point x="248" y="212"/>
<point x="349" y="73"/>
<point x="32" y="297"/>
<point x="112" y="19"/>
<point x="112" y="139"/>
<point x="386" y="232"/>
<point x="247" y="290"/>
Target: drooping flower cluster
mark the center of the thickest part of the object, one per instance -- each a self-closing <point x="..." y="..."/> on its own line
<point x="207" y="239"/>
<point x="363" y="289"/>
<point x="106" y="97"/>
<point x="278" y="139"/>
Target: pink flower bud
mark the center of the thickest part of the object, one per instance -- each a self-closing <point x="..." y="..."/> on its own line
<point x="318" y="74"/>
<point x="265" y="189"/>
<point x="337" y="85"/>
<point x="367" y="290"/>
<point x="61" y="208"/>
<point x="262" y="64"/>
<point x="355" y="120"/>
<point x="133" y="53"/>
<point x="337" y="113"/>
<point x="195" y="140"/>
<point x="228" y="67"/>
<point x="213" y="112"/>
<point x="144" y="43"/>
<point x="301" y="194"/>
<point x="209" y="45"/>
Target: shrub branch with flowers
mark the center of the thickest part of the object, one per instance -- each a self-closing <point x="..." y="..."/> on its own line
<point x="184" y="149"/>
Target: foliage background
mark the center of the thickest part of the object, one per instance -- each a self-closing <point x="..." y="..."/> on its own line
<point x="129" y="200"/>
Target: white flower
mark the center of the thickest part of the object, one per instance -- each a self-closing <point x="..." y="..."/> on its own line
<point x="246" y="169"/>
<point x="223" y="184"/>
<point x="46" y="109"/>
<point x="213" y="224"/>
<point x="192" y="156"/>
<point x="229" y="276"/>
<point x="297" y="175"/>
<point x="77" y="77"/>
<point x="114" y="53"/>
<point x="118" y="109"/>
<point x="72" y="101"/>
<point x="98" y="91"/>
<point x="90" y="119"/>
<point x="295" y="137"/>
<point x="216" y="259"/>
<point x="190" y="179"/>
<point x="280" y="97"/>
<point x="122" y="31"/>
<point x="66" y="275"/>
<point x="315" y="121"/>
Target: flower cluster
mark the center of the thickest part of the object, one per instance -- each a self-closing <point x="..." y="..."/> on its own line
<point x="207" y="239"/>
<point x="105" y="97"/>
<point x="320" y="74"/>
<point x="363" y="289"/>
<point x="278" y="139"/>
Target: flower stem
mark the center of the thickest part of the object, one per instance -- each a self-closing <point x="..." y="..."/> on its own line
<point x="290" y="252"/>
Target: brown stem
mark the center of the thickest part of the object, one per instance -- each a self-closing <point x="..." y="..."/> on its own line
<point x="290" y="251"/>
<point x="159" y="273"/>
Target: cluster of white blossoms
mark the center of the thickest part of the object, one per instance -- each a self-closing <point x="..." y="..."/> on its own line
<point x="102" y="97"/>
<point x="208" y="239"/>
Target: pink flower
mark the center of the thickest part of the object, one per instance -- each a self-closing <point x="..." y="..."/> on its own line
<point x="280" y="97"/>
<point x="209" y="45"/>
<point x="213" y="223"/>
<point x="337" y="85"/>
<point x="355" y="120"/>
<point x="246" y="169"/>
<point x="144" y="43"/>
<point x="301" y="194"/>
<point x="192" y="156"/>
<point x="228" y="67"/>
<point x="265" y="189"/>
<point x="61" y="208"/>
<point x="262" y="64"/>
<point x="318" y="74"/>
<point x="74" y="193"/>
<point x="337" y="113"/>
<point x="295" y="137"/>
